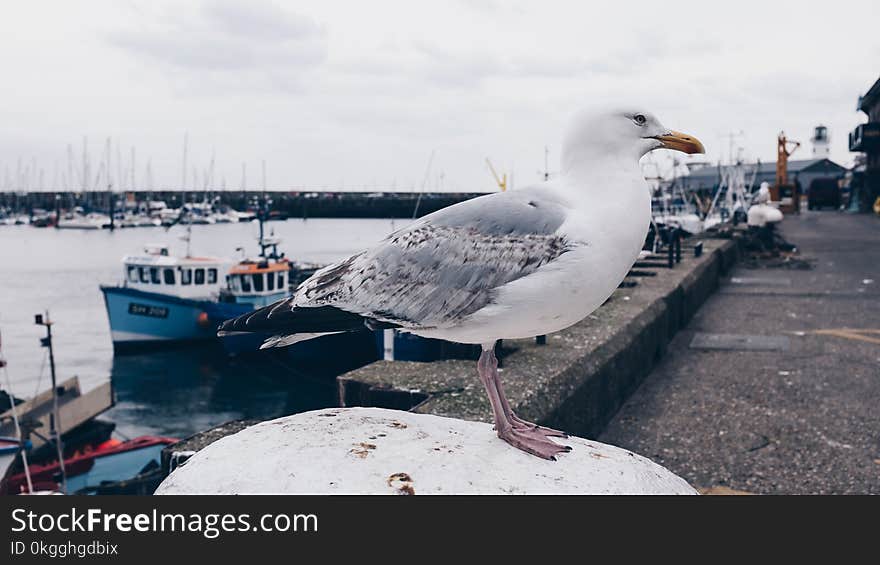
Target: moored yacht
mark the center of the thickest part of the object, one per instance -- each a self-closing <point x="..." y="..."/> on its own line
<point x="79" y="220"/>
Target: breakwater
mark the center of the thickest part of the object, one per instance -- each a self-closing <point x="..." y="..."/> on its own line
<point x="282" y="204"/>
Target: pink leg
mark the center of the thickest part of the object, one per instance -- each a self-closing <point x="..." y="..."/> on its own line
<point x="523" y="435"/>
<point x="515" y="420"/>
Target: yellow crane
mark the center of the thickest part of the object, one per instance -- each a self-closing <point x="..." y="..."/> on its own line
<point x="782" y="154"/>
<point x="502" y="180"/>
<point x="782" y="191"/>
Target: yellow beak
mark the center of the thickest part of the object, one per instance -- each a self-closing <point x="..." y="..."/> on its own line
<point x="681" y="142"/>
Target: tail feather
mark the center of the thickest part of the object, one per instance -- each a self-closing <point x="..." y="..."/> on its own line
<point x="285" y="340"/>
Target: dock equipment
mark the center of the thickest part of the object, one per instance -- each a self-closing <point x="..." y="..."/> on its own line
<point x="782" y="191"/>
<point x="500" y="181"/>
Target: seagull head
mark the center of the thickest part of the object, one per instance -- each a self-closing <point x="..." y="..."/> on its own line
<point x="596" y="135"/>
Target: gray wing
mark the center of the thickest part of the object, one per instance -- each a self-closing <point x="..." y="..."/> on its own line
<point x="446" y="265"/>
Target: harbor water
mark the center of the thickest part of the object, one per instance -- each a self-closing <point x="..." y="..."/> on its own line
<point x="176" y="392"/>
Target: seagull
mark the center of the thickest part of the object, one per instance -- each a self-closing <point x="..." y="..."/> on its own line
<point x="508" y="265"/>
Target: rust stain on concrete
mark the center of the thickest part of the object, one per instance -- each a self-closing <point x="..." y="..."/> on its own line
<point x="402" y="483"/>
<point x="362" y="449"/>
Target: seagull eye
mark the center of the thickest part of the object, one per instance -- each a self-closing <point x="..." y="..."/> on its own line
<point x="640" y="119"/>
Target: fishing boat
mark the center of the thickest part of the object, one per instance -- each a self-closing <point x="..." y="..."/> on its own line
<point x="166" y="300"/>
<point x="9" y="448"/>
<point x="54" y="443"/>
<point x="163" y="299"/>
<point x="672" y="207"/>
<point x="111" y="467"/>
<point x="256" y="282"/>
<point x="732" y="198"/>
<point x="253" y="283"/>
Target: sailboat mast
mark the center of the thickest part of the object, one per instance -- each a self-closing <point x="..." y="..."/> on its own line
<point x="85" y="163"/>
<point x="183" y="177"/>
<point x="111" y="205"/>
<point x="263" y="213"/>
<point x="133" y="187"/>
<point x="183" y="209"/>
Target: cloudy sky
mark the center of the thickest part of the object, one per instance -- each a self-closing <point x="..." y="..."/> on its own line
<point x="357" y="95"/>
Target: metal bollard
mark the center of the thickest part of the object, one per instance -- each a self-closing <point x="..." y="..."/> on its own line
<point x="677" y="245"/>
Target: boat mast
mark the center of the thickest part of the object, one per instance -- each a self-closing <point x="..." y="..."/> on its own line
<point x="261" y="218"/>
<point x="188" y="236"/>
<point x="55" y="417"/>
<point x="111" y="205"/>
<point x="424" y="183"/>
<point x="183" y="177"/>
<point x="262" y="213"/>
<point x="209" y="180"/>
<point x="120" y="176"/>
<point x="183" y="209"/>
<point x="69" y="181"/>
<point x="133" y="186"/>
<point x="85" y="164"/>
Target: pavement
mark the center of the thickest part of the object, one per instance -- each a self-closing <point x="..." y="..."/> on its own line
<point x="783" y="396"/>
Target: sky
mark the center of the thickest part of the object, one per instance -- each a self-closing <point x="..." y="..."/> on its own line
<point x="386" y="95"/>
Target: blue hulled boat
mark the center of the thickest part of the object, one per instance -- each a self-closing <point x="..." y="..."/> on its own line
<point x="163" y="300"/>
<point x="251" y="284"/>
<point x="266" y="279"/>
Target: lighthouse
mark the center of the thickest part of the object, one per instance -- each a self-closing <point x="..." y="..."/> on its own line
<point x="821" y="142"/>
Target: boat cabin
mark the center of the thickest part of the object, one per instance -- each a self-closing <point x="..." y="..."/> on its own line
<point x="185" y="277"/>
<point x="258" y="281"/>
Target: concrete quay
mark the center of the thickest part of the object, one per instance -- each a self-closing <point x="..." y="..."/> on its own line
<point x="799" y="417"/>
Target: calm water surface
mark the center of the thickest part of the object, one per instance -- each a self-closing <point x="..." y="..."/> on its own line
<point x="169" y="393"/>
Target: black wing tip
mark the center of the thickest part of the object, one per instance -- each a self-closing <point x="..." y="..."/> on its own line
<point x="225" y="327"/>
<point x="239" y="324"/>
<point x="299" y="320"/>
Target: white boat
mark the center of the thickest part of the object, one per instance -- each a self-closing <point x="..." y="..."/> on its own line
<point x="79" y="221"/>
<point x="199" y="213"/>
<point x="168" y="216"/>
<point x="245" y="216"/>
<point x="163" y="299"/>
<point x="687" y="221"/>
<point x="9" y="218"/>
<point x="732" y="197"/>
<point x="139" y="221"/>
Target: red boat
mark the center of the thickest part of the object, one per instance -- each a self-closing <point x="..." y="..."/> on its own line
<point x="111" y="467"/>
